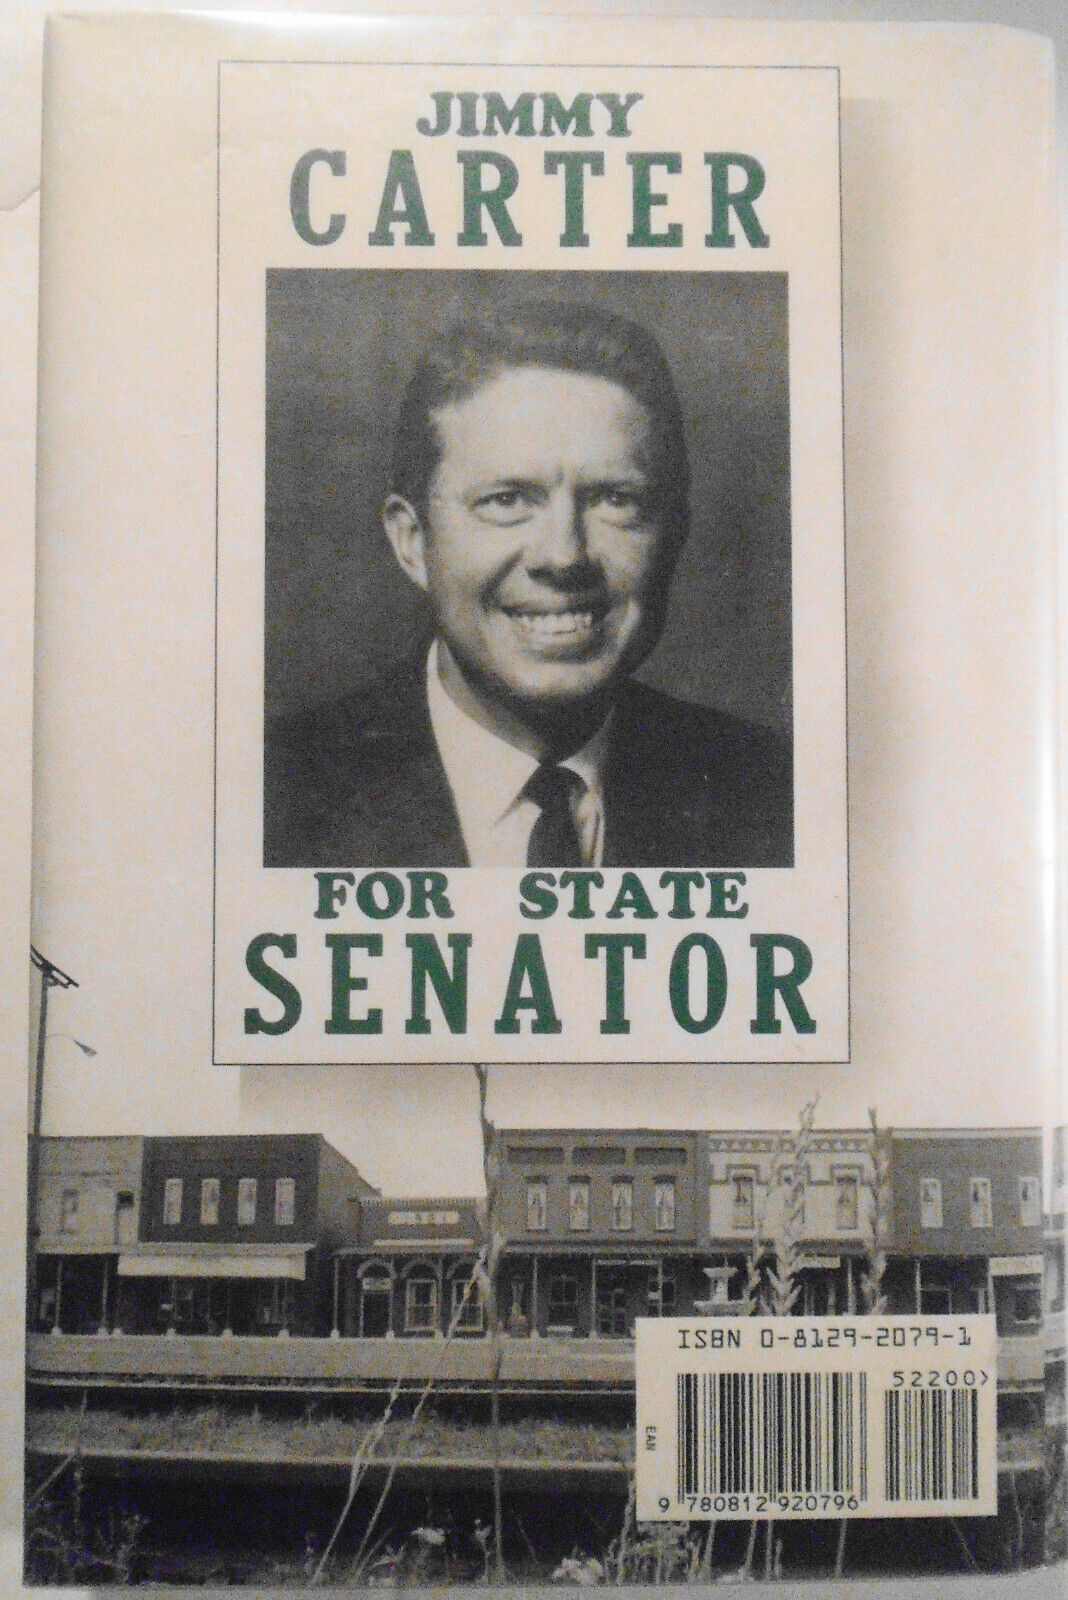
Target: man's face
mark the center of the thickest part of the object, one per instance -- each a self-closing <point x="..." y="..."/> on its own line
<point x="543" y="550"/>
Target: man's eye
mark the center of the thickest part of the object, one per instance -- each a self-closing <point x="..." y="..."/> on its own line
<point x="621" y="503"/>
<point x="503" y="505"/>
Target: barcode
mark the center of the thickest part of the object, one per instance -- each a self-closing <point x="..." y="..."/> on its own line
<point x="772" y="1433"/>
<point x="793" y="1417"/>
<point x="932" y="1444"/>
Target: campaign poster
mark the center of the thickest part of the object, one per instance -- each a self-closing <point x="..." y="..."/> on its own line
<point x="530" y="732"/>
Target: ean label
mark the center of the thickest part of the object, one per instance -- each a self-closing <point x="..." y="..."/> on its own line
<point x="790" y="1417"/>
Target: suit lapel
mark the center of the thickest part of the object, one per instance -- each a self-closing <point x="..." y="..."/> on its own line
<point x="398" y="807"/>
<point x="634" y="815"/>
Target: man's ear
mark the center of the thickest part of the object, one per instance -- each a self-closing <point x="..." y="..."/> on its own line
<point x="404" y="530"/>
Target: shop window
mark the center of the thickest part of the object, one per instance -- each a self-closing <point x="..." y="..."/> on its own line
<point x="46" y="1308"/>
<point x="930" y="1203"/>
<point x="537" y="1205"/>
<point x="420" y="1305"/>
<point x="466" y="1313"/>
<point x="68" y="1211"/>
<point x="663" y="1301"/>
<point x="979" y="1206"/>
<point x="846" y="1197"/>
<point x="578" y="1205"/>
<point x="818" y="1293"/>
<point x="246" y="1202"/>
<point x="285" y="1202"/>
<point x="172" y="1202"/>
<point x="209" y="1202"/>
<point x="125" y="1218"/>
<point x="622" y="1205"/>
<point x="743" y="1200"/>
<point x="1030" y="1203"/>
<point x="276" y="1305"/>
<point x="664" y="1205"/>
<point x="1027" y="1303"/>
<point x="563" y="1299"/>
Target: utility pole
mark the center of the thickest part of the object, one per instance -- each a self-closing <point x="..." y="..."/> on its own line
<point x="52" y="977"/>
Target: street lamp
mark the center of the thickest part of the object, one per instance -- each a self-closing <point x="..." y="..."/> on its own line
<point x="86" y="1049"/>
<point x="52" y="977"/>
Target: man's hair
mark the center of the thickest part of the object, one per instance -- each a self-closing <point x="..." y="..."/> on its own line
<point x="473" y="349"/>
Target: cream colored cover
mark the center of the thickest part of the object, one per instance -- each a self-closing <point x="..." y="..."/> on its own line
<point x="924" y="649"/>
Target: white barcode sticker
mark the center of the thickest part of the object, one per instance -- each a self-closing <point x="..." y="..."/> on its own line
<point x="790" y="1417"/>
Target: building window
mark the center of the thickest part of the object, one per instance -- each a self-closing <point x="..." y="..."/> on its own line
<point x="537" y="1205"/>
<point x="622" y="1205"/>
<point x="930" y="1203"/>
<point x="246" y="1202"/>
<point x="743" y="1200"/>
<point x="979" y="1203"/>
<point x="172" y="1202"/>
<point x="209" y="1202"/>
<point x="420" y="1305"/>
<point x="934" y="1300"/>
<point x="285" y="1202"/>
<point x="563" y="1300"/>
<point x="846" y="1192"/>
<point x="68" y="1211"/>
<point x="662" y="1302"/>
<point x="792" y="1183"/>
<point x="466" y="1314"/>
<point x="578" y="1205"/>
<point x="1030" y="1203"/>
<point x="664" y="1205"/>
<point x="125" y="1218"/>
<point x="1027" y="1302"/>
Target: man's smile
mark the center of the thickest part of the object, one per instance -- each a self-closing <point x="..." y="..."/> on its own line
<point x="558" y="628"/>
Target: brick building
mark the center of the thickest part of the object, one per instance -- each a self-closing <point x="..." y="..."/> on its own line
<point x="237" y="1234"/>
<point x="601" y="1226"/>
<point x="967" y="1234"/>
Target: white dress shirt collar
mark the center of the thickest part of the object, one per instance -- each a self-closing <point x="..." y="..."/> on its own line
<point x="486" y="775"/>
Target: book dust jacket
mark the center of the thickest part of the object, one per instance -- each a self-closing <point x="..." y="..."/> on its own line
<point x="545" y="787"/>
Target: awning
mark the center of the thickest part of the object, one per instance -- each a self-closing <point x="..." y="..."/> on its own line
<point x="1014" y="1266"/>
<point x="401" y="1247"/>
<point x="215" y="1261"/>
<point x="67" y="1247"/>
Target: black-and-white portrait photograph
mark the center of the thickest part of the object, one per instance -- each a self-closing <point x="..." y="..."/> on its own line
<point x="528" y="569"/>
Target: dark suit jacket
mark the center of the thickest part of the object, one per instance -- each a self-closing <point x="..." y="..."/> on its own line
<point x="359" y="783"/>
